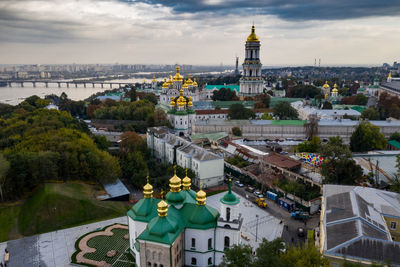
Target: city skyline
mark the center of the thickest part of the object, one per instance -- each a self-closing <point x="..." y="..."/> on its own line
<point x="198" y="32"/>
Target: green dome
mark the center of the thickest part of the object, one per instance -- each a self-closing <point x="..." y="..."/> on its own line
<point x="203" y="215"/>
<point x="175" y="198"/>
<point x="144" y="210"/>
<point x="190" y="196"/>
<point x="161" y="226"/>
<point x="230" y="199"/>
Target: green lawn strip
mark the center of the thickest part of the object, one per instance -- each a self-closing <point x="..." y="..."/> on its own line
<point x="59" y="206"/>
<point x="8" y="217"/>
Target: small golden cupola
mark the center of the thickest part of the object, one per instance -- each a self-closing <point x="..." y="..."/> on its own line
<point x="170" y="80"/>
<point x="185" y="86"/>
<point x="189" y="81"/>
<point x="154" y="78"/>
<point x="187" y="182"/>
<point x="172" y="103"/>
<point x="190" y="103"/>
<point x="326" y="85"/>
<point x="201" y="198"/>
<point x="148" y="189"/>
<point x="181" y="100"/>
<point x="175" y="182"/>
<point x="162" y="208"/>
<point x="253" y="37"/>
<point x="165" y="84"/>
<point x="178" y="76"/>
<point x="390" y="75"/>
<point x="195" y="83"/>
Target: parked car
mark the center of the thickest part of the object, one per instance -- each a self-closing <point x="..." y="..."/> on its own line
<point x="256" y="193"/>
<point x="250" y="189"/>
<point x="240" y="185"/>
<point x="260" y="196"/>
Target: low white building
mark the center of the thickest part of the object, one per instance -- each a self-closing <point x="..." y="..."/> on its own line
<point x="323" y="114"/>
<point x="167" y="147"/>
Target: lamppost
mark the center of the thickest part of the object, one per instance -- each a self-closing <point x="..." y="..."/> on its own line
<point x="256" y="226"/>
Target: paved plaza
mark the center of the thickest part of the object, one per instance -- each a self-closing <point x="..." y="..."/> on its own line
<point x="54" y="249"/>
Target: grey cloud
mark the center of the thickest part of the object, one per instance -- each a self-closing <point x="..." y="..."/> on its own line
<point x="288" y="9"/>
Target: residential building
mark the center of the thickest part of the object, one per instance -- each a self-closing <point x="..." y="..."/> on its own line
<point x="167" y="147"/>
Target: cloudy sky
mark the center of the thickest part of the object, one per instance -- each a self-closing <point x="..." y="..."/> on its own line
<point x="292" y="32"/>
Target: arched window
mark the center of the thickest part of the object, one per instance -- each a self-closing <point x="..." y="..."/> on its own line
<point x="193" y="243"/>
<point x="226" y="242"/>
<point x="210" y="243"/>
<point x="228" y="214"/>
<point x="209" y="261"/>
<point x="149" y="264"/>
<point x="194" y="261"/>
<point x="155" y="265"/>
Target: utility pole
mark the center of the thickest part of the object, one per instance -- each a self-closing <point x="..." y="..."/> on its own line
<point x="256" y="227"/>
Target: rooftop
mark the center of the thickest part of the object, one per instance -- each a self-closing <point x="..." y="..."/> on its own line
<point x="355" y="226"/>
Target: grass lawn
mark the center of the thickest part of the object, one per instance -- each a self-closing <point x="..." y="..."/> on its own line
<point x="57" y="206"/>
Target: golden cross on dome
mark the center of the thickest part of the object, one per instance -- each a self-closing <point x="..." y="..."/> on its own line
<point x="162" y="193"/>
<point x="186" y="171"/>
<point x="147" y="178"/>
<point x="175" y="169"/>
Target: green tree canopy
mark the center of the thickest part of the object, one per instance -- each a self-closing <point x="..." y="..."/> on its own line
<point x="285" y="111"/>
<point x="236" y="131"/>
<point x="366" y="137"/>
<point x="224" y="94"/>
<point x="370" y="114"/>
<point x="239" y="112"/>
<point x="311" y="146"/>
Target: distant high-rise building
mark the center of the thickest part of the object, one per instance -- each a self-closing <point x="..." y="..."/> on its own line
<point x="251" y="82"/>
<point x="237" y="66"/>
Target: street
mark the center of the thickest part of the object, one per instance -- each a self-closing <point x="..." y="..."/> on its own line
<point x="289" y="234"/>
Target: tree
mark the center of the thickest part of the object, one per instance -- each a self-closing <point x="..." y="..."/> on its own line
<point x="311" y="126"/>
<point x="132" y="94"/>
<point x="131" y="142"/>
<point x="151" y="98"/>
<point x="160" y="117"/>
<point x="312" y="146"/>
<point x="301" y="256"/>
<point x="395" y="136"/>
<point x="327" y="105"/>
<point x="4" y="167"/>
<point x="366" y="137"/>
<point x="361" y="100"/>
<point x="236" y="131"/>
<point x="237" y="256"/>
<point x="134" y="168"/>
<point x="239" y="112"/>
<point x="370" y="114"/>
<point x="224" y="94"/>
<point x="268" y="253"/>
<point x="338" y="166"/>
<point x="285" y="111"/>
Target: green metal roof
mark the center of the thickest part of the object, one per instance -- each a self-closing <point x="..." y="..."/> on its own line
<point x="199" y="216"/>
<point x="144" y="210"/>
<point x="230" y="86"/>
<point x="288" y="122"/>
<point x="164" y="229"/>
<point x="190" y="196"/>
<point x="394" y="143"/>
<point x="276" y="100"/>
<point x="175" y="198"/>
<point x="210" y="136"/>
<point x="227" y="104"/>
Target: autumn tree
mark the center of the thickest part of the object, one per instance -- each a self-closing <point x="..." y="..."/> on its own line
<point x="366" y="137"/>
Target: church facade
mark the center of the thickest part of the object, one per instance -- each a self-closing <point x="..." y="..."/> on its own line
<point x="182" y="230"/>
<point x="251" y="82"/>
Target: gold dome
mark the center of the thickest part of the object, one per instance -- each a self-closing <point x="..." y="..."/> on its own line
<point x="335" y="90"/>
<point x="326" y="96"/>
<point x="190" y="103"/>
<point x="252" y="37"/>
<point x="186" y="182"/>
<point x="335" y="86"/>
<point x="148" y="189"/>
<point x="201" y="197"/>
<point x="326" y="85"/>
<point x="194" y="83"/>
<point x="162" y="208"/>
<point x="172" y="103"/>
<point x="390" y="75"/>
<point x="175" y="182"/>
<point x="185" y="86"/>
<point x="181" y="100"/>
<point x="165" y="84"/>
<point x="177" y="76"/>
<point x="154" y="78"/>
<point x="189" y="81"/>
<point x="170" y="80"/>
